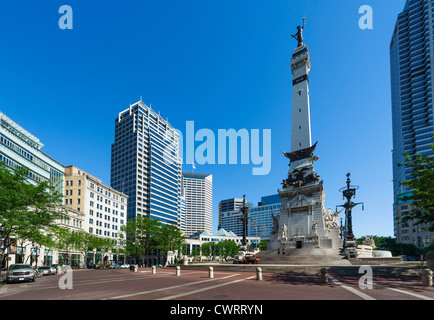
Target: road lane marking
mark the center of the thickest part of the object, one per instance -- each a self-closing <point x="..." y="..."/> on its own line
<point x="204" y="289"/>
<point x="405" y="292"/>
<point x="356" y="292"/>
<point x="85" y="283"/>
<point x="169" y="288"/>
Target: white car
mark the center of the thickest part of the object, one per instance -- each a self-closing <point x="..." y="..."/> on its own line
<point x="124" y="266"/>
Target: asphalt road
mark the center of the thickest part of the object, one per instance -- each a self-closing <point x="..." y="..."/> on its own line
<point x="197" y="285"/>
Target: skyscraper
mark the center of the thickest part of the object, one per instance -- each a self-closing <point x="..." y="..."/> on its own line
<point x="411" y="63"/>
<point x="198" y="202"/>
<point x="145" y="164"/>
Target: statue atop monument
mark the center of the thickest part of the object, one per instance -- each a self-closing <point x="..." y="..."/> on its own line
<point x="299" y="35"/>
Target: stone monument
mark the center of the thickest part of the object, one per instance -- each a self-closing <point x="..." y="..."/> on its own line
<point x="304" y="221"/>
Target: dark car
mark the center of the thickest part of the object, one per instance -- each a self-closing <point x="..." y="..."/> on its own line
<point x="20" y="272"/>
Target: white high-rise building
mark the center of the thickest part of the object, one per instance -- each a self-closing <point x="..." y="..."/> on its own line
<point x="198" y="202"/>
<point x="105" y="209"/>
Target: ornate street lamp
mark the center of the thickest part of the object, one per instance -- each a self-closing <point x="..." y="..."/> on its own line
<point x="349" y="192"/>
<point x="244" y="219"/>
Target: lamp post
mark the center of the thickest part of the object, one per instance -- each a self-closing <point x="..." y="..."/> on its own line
<point x="244" y="209"/>
<point x="348" y="193"/>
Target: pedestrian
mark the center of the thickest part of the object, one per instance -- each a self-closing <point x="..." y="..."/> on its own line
<point x="278" y="250"/>
<point x="283" y="251"/>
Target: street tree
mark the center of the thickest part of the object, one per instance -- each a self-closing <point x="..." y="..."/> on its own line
<point x="421" y="185"/>
<point x="27" y="211"/>
<point x="141" y="236"/>
<point x="169" y="238"/>
<point x="227" y="248"/>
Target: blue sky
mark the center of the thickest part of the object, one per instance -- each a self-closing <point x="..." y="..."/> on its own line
<point x="222" y="64"/>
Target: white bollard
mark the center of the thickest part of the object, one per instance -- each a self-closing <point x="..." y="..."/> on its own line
<point x="211" y="272"/>
<point x="323" y="275"/>
<point x="427" y="278"/>
<point x="178" y="271"/>
<point x="154" y="270"/>
<point x="259" y="273"/>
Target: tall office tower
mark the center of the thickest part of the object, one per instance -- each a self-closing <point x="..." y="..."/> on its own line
<point x="104" y="208"/>
<point x="261" y="221"/>
<point x="411" y="63"/>
<point x="181" y="219"/>
<point x="198" y="202"/>
<point x="145" y="164"/>
<point x="227" y="205"/>
<point x="19" y="148"/>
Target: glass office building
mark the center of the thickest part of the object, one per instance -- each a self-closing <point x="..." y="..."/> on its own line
<point x="411" y="62"/>
<point x="145" y="164"/>
<point x="19" y="148"/>
<point x="260" y="223"/>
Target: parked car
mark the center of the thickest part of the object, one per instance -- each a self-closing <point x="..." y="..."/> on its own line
<point x="114" y="266"/>
<point x="47" y="270"/>
<point x="124" y="266"/>
<point x="20" y="272"/>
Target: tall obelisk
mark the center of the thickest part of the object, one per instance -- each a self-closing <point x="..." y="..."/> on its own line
<point x="301" y="132"/>
<point x="300" y="67"/>
<point x="303" y="222"/>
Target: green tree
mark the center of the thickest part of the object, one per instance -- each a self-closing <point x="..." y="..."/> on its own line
<point x="169" y="238"/>
<point x="263" y="245"/>
<point x="227" y="248"/>
<point x="207" y="249"/>
<point x="28" y="211"/>
<point x="81" y="241"/>
<point x="422" y="188"/>
<point x="141" y="236"/>
<point x="105" y="246"/>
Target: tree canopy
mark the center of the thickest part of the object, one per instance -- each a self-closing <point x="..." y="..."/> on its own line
<point x="145" y="235"/>
<point x="421" y="184"/>
<point x="28" y="211"/>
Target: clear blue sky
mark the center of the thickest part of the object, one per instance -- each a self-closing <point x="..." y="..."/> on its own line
<point x="222" y="64"/>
